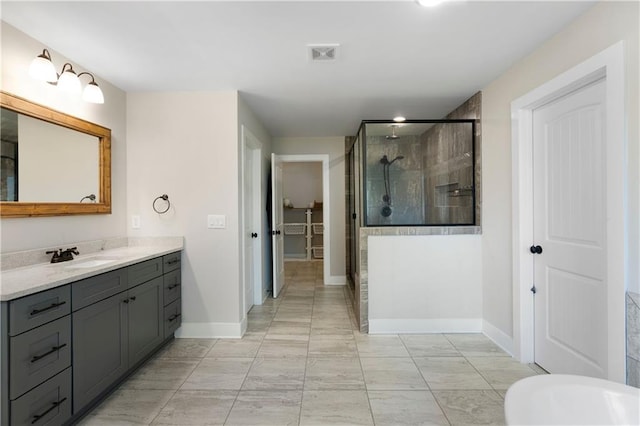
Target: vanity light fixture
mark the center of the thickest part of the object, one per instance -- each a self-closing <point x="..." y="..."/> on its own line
<point x="42" y="68"/>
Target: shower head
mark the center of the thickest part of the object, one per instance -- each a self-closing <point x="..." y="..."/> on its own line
<point x="393" y="135"/>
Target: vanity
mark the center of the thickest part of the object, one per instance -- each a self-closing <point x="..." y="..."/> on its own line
<point x="71" y="332"/>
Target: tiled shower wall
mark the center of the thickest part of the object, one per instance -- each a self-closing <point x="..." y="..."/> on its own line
<point x="405" y="179"/>
<point x="633" y="339"/>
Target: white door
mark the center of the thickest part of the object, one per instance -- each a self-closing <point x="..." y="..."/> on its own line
<point x="249" y="230"/>
<point x="277" y="224"/>
<point x="569" y="226"/>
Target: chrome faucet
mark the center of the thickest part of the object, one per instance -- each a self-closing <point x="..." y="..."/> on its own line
<point x="63" y="256"/>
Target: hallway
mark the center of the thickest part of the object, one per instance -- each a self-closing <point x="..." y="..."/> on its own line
<point x="302" y="361"/>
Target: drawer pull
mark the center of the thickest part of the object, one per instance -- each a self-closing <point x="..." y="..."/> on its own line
<point x="53" y="407"/>
<point x="174" y="317"/>
<point x="171" y="287"/>
<point x="54" y="349"/>
<point x="52" y="306"/>
<point x="172" y="261"/>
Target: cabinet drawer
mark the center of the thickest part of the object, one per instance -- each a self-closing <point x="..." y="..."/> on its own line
<point x="40" y="308"/>
<point x="171" y="262"/>
<point x="172" y="286"/>
<point x="172" y="317"/>
<point x="95" y="289"/>
<point x="39" y="354"/>
<point x="49" y="404"/>
<point x="144" y="271"/>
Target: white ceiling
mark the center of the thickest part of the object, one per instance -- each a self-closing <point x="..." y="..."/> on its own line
<point x="395" y="57"/>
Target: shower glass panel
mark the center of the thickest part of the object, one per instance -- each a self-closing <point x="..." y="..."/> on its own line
<point x="418" y="173"/>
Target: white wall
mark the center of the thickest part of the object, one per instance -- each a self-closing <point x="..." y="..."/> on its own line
<point x="17" y="51"/>
<point x="421" y="284"/>
<point x="600" y="27"/>
<point x="334" y="147"/>
<point x="302" y="183"/>
<point x="185" y="145"/>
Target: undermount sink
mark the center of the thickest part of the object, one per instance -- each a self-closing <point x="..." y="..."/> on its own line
<point x="90" y="263"/>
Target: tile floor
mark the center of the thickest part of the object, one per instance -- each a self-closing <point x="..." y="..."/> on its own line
<point x="303" y="362"/>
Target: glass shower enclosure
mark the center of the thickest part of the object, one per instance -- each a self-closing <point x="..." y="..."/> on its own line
<point x="418" y="173"/>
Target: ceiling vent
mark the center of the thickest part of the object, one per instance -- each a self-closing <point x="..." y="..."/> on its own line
<point x="323" y="52"/>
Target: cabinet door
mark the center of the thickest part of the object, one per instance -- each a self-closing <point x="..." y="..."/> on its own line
<point x="100" y="343"/>
<point x="145" y="319"/>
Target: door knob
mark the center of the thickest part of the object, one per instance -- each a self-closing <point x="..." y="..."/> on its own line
<point x="535" y="249"/>
<point x="278" y="232"/>
<point x="254" y="235"/>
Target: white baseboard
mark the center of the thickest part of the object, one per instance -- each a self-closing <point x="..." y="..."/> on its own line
<point x="211" y="330"/>
<point x="444" y="325"/>
<point x="336" y="280"/>
<point x="498" y="336"/>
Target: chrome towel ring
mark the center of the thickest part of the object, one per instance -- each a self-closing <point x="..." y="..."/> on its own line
<point x="164" y="197"/>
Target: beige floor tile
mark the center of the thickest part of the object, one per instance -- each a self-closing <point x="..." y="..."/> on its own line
<point x="280" y="348"/>
<point x="187" y="348"/>
<point x="235" y="348"/>
<point x="420" y="345"/>
<point x="391" y="374"/>
<point x="477" y="407"/>
<point x="196" y="408"/>
<point x="450" y="373"/>
<point x="501" y="372"/>
<point x="332" y="345"/>
<point x="274" y="374"/>
<point x="475" y="344"/>
<point x="266" y="408"/>
<point x="335" y="408"/>
<point x="162" y="373"/>
<point x="340" y="373"/>
<point x="380" y="346"/>
<point x="405" y="408"/>
<point x="129" y="407"/>
<point x="218" y="374"/>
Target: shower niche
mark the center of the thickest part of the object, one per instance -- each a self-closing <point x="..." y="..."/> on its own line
<point x="415" y="173"/>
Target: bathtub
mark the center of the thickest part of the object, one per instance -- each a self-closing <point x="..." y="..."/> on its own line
<point x="559" y="399"/>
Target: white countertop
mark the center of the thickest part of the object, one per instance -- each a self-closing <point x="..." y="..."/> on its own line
<point x="27" y="280"/>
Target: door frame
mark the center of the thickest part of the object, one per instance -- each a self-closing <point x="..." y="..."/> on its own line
<point x="326" y="209"/>
<point x="608" y="64"/>
<point x="251" y="145"/>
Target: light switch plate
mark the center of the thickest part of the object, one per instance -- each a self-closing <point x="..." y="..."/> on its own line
<point x="135" y="221"/>
<point x="216" y="221"/>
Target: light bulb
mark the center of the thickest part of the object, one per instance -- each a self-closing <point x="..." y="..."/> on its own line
<point x="429" y="3"/>
<point x="93" y="94"/>
<point x="69" y="82"/>
<point x="42" y="69"/>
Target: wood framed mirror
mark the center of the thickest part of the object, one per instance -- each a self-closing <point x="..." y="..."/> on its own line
<point x="52" y="163"/>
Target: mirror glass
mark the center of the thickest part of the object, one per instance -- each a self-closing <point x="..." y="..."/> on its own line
<point x="33" y="151"/>
<point x="51" y="163"/>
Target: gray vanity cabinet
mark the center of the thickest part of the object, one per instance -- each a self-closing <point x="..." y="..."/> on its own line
<point x="100" y="348"/>
<point x="65" y="348"/>
<point x="145" y="319"/>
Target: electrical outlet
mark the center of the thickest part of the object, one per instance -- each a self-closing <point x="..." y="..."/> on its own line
<point x="135" y="221"/>
<point x="216" y="221"/>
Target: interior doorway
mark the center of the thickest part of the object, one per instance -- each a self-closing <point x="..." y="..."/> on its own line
<point x="301" y="223"/>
